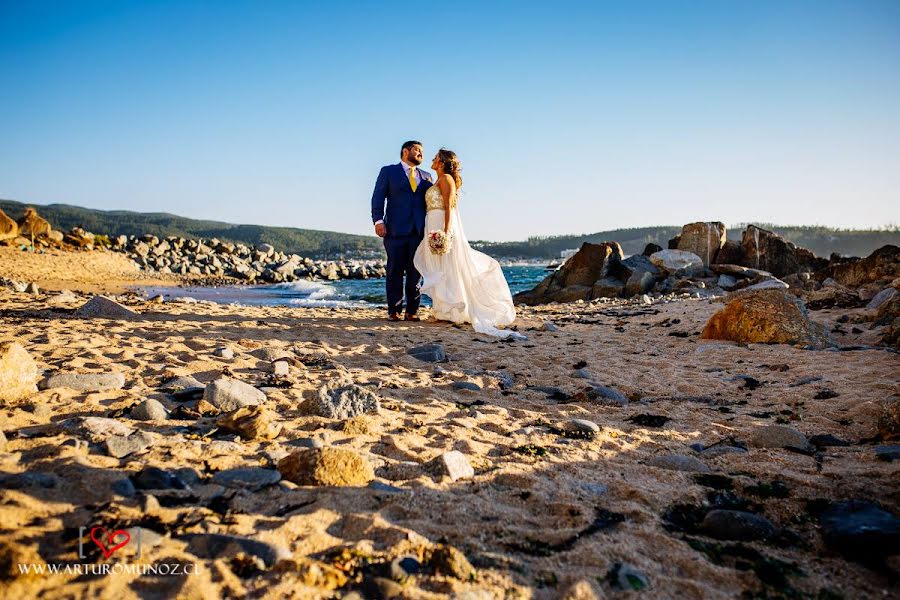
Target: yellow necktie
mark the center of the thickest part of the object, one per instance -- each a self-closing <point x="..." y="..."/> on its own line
<point x="412" y="178"/>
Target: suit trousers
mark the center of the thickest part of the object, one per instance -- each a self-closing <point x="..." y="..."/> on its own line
<point x="400" y="252"/>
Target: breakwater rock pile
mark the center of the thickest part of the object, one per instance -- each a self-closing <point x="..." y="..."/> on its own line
<point x="217" y="258"/>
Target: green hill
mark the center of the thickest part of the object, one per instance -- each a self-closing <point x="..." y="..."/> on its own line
<point x="306" y="242"/>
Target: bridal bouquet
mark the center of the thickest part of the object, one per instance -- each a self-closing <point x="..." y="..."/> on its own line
<point x="439" y="242"/>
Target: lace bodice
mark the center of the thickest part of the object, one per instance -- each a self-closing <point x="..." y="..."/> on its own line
<point x="435" y="201"/>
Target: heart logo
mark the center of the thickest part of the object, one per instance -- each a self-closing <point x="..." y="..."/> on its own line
<point x="110" y="538"/>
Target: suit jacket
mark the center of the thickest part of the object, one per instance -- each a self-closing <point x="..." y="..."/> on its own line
<point x="405" y="212"/>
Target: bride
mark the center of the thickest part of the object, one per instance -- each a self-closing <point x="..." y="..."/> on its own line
<point x="465" y="286"/>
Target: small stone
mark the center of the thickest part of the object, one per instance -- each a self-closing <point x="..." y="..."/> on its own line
<point x="861" y="530"/>
<point x="149" y="503"/>
<point x="154" y="478"/>
<point x="251" y="423"/>
<point x="18" y="372"/>
<point x="888" y="453"/>
<point x="404" y="567"/>
<point x="281" y="368"/>
<point x="149" y="410"/>
<point x="344" y="402"/>
<point x="123" y="487"/>
<point x="605" y="395"/>
<point x="452" y="464"/>
<point x="428" y="353"/>
<point x="230" y="394"/>
<point x="447" y="560"/>
<point x="223" y="352"/>
<point x="580" y="428"/>
<point x="778" y="436"/>
<point x="181" y="384"/>
<point x="386" y="488"/>
<point x="104" y="308"/>
<point x="827" y="440"/>
<point x="99" y="428"/>
<point x="306" y="443"/>
<point x="736" y="525"/>
<point x="84" y="382"/>
<point x="882" y="297"/>
<point x="582" y="374"/>
<point x="721" y="449"/>
<point x="645" y="299"/>
<point x="251" y="478"/>
<point x="122" y="446"/>
<point x="548" y="326"/>
<point x="466" y="385"/>
<point x="625" y="577"/>
<point x="326" y="466"/>
<point x="678" y="462"/>
<point x="218" y="545"/>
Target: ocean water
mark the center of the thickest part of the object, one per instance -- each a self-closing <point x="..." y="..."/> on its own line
<point x="346" y="293"/>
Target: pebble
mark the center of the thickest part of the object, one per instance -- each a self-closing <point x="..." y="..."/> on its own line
<point x="778" y="436"/>
<point x="428" y="353"/>
<point x="306" y="443"/>
<point x="120" y="446"/>
<point x="861" y="530"/>
<point x="607" y="395"/>
<point x="230" y="394"/>
<point x="251" y="423"/>
<point x="888" y="453"/>
<point x="98" y="428"/>
<point x="548" y="326"/>
<point x="623" y="576"/>
<point x="123" y="487"/>
<point x="404" y="567"/>
<point x="250" y="478"/>
<point x="84" y="382"/>
<point x="154" y="478"/>
<point x="452" y="464"/>
<point x="736" y="525"/>
<point x="223" y="352"/>
<point x="326" y="466"/>
<point x="181" y="384"/>
<point x="645" y="299"/>
<point x="466" y="385"/>
<point x="582" y="374"/>
<point x="105" y="308"/>
<point x="581" y="428"/>
<point x="213" y="545"/>
<point x="678" y="462"/>
<point x="280" y="368"/>
<point x="149" y="503"/>
<point x="344" y="402"/>
<point x="18" y="372"/>
<point x="149" y="410"/>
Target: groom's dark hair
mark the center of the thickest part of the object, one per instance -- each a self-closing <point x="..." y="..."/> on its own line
<point x="408" y="145"/>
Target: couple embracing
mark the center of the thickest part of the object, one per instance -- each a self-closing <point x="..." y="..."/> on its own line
<point x="425" y="243"/>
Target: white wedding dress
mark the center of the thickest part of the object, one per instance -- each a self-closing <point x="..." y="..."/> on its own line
<point x="465" y="286"/>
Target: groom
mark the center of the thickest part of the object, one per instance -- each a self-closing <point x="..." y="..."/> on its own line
<point x="402" y="225"/>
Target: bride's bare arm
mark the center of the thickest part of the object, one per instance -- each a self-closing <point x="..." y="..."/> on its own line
<point x="447" y="185"/>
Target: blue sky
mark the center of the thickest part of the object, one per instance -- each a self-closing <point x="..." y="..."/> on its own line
<point x="568" y="117"/>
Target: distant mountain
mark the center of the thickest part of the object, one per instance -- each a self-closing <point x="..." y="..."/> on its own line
<point x="821" y="240"/>
<point x="306" y="242"/>
<point x="327" y="244"/>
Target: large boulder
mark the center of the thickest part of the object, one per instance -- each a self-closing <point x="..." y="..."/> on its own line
<point x="730" y="253"/>
<point x="766" y="250"/>
<point x="675" y="261"/>
<point x="576" y="278"/>
<point x="769" y="316"/>
<point x="882" y="265"/>
<point x="32" y="224"/>
<point x="9" y="229"/>
<point x="703" y="239"/>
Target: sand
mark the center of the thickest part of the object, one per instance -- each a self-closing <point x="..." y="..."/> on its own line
<point x="520" y="520"/>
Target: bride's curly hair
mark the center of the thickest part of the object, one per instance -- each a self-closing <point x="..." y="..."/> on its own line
<point x="451" y="165"/>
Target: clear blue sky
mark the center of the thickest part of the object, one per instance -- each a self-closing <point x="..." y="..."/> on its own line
<point x="569" y="117"/>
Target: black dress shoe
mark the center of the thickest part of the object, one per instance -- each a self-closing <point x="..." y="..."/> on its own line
<point x="394" y="317"/>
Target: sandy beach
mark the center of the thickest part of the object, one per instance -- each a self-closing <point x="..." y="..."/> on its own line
<point x="555" y="508"/>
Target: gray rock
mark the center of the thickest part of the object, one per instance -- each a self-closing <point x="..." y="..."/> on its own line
<point x="645" y="299"/>
<point x="623" y="576"/>
<point x="30" y="479"/>
<point x="888" y="453"/>
<point x="224" y="352"/>
<point x="386" y="488"/>
<point x="344" y="402"/>
<point x="639" y="283"/>
<point x="154" y="478"/>
<point x="736" y="525"/>
<point x="882" y="297"/>
<point x="306" y="443"/>
<point x="466" y="385"/>
<point x="179" y="384"/>
<point x="121" y="446"/>
<point x="123" y="487"/>
<point x="453" y="464"/>
<point x="230" y="394"/>
<point x="149" y="410"/>
<point x="104" y="308"/>
<point x="861" y="530"/>
<point x="216" y="545"/>
<point x="581" y="428"/>
<point x="281" y="368"/>
<point x="726" y="282"/>
<point x="548" y="326"/>
<point x="678" y="462"/>
<point x="32" y="288"/>
<point x="84" y="382"/>
<point x="271" y="354"/>
<point x="778" y="436"/>
<point x="676" y="260"/>
<point x="98" y="428"/>
<point x="428" y="353"/>
<point x="719" y="450"/>
<point x="582" y="374"/>
<point x="605" y="395"/>
<point x="768" y="284"/>
<point x="504" y="379"/>
<point x="251" y="478"/>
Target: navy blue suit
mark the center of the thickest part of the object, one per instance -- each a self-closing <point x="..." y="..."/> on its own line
<point x="404" y="219"/>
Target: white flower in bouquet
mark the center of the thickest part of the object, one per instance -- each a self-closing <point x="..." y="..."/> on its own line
<point x="439" y="242"/>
